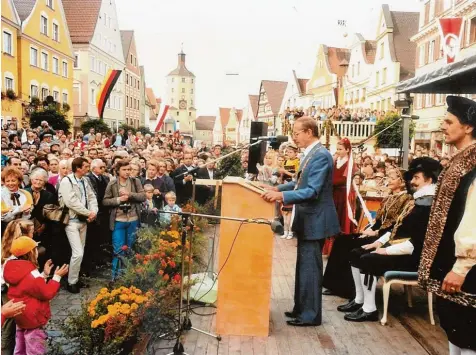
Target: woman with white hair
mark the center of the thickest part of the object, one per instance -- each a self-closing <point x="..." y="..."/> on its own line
<point x="41" y="197"/>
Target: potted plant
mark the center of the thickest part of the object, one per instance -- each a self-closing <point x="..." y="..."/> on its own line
<point x="35" y="101"/>
<point x="11" y="94"/>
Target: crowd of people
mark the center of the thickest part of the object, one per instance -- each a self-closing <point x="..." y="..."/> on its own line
<point x="339" y="113"/>
<point x="75" y="202"/>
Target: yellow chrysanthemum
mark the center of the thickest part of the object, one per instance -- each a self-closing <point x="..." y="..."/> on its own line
<point x="134" y="306"/>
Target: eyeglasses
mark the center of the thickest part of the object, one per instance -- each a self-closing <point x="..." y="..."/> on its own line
<point x="295" y="134"/>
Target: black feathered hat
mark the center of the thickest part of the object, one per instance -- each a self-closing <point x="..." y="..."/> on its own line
<point x="429" y="166"/>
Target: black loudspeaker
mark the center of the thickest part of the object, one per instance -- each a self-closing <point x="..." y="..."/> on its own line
<point x="257" y="151"/>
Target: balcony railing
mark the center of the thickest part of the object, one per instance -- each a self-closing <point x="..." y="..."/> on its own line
<point x="351" y="130"/>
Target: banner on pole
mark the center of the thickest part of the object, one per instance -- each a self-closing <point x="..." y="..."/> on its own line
<point x="451" y="29"/>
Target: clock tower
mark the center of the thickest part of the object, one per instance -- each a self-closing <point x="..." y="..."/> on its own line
<point x="181" y="96"/>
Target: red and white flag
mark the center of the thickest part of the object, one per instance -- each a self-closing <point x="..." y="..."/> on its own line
<point x="162" y="118"/>
<point x="451" y="29"/>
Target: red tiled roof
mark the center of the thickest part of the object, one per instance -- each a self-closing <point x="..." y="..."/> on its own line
<point x="369" y="51"/>
<point x="224" y="116"/>
<point x="405" y="25"/>
<point x="254" y="105"/>
<point x="275" y="91"/>
<point x="338" y="60"/>
<point x="81" y="17"/>
<point x="239" y="115"/>
<point x="205" y="123"/>
<point x="181" y="69"/>
<point x="150" y="95"/>
<point x="126" y="37"/>
<point x="302" y="85"/>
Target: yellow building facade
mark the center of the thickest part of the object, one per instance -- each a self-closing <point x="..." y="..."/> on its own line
<point x="45" y="53"/>
<point x="11" y="107"/>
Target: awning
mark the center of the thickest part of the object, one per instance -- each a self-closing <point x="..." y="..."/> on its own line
<point x="455" y="78"/>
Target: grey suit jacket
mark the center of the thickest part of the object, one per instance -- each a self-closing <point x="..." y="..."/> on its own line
<point x="315" y="213"/>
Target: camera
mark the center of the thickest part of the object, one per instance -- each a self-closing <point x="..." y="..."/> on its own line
<point x="125" y="207"/>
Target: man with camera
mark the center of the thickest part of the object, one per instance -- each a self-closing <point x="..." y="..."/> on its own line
<point x="183" y="177"/>
<point x="124" y="195"/>
<point x="76" y="194"/>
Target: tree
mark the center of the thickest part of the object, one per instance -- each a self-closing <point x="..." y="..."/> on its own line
<point x="392" y="137"/>
<point x="55" y="117"/>
<point x="126" y="128"/>
<point x="99" y="126"/>
<point x="230" y="166"/>
<point x="145" y="130"/>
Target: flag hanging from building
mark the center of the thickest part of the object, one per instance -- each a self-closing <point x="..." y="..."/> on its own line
<point x="162" y="118"/>
<point x="451" y="29"/>
<point x="103" y="94"/>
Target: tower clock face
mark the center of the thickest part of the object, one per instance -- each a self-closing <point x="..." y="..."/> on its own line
<point x="183" y="104"/>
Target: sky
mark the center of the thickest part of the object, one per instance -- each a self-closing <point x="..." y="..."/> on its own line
<point x="256" y="39"/>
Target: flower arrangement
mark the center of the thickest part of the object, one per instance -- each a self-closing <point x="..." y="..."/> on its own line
<point x="143" y="301"/>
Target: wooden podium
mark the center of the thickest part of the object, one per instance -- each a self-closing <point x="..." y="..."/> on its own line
<point x="244" y="285"/>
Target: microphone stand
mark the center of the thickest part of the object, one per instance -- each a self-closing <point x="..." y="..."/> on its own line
<point x="186" y="324"/>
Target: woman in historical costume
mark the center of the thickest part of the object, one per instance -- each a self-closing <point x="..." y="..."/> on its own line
<point x="337" y="276"/>
<point x="341" y="200"/>
<point x="16" y="203"/>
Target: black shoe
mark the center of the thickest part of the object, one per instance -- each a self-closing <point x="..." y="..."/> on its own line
<point x="327" y="292"/>
<point x="82" y="284"/>
<point x="299" y="323"/>
<point x="362" y="316"/>
<point x="350" y="307"/>
<point x="73" y="288"/>
<point x="291" y="314"/>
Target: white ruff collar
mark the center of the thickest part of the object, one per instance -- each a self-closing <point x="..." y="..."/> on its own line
<point x="428" y="190"/>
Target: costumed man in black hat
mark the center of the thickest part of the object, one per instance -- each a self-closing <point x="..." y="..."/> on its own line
<point x="448" y="260"/>
<point x="399" y="249"/>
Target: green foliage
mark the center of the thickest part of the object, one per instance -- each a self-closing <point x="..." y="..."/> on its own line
<point x="145" y="130"/>
<point x="230" y="166"/>
<point x="126" y="128"/>
<point x="99" y="126"/>
<point x="55" y="118"/>
<point x="392" y="137"/>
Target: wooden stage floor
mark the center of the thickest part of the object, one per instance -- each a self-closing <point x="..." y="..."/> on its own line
<point x="408" y="330"/>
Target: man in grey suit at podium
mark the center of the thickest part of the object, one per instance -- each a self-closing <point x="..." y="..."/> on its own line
<point x="315" y="219"/>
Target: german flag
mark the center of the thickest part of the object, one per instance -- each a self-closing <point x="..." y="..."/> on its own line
<point x="103" y="94"/>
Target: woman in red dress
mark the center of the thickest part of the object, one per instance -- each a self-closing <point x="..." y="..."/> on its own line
<point x="341" y="171"/>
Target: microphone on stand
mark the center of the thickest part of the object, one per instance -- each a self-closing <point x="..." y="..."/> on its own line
<point x="272" y="139"/>
<point x="275" y="225"/>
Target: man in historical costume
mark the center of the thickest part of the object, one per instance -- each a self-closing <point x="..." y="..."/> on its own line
<point x="315" y="219"/>
<point x="338" y="278"/>
<point x="399" y="249"/>
<point x="448" y="260"/>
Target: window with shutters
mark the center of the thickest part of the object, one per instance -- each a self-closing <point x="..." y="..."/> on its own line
<point x="44" y="93"/>
<point x="56" y="32"/>
<point x="428" y="100"/>
<point x="421" y="55"/>
<point x="431" y="51"/>
<point x="65" y="98"/>
<point x="8" y="83"/>
<point x="472" y="31"/>
<point x="34" y="57"/>
<point x="7" y="43"/>
<point x="33" y="91"/>
<point x="55" y="65"/>
<point x="44" y="61"/>
<point x="427" y="13"/>
<point x="56" y="96"/>
<point x="44" y="25"/>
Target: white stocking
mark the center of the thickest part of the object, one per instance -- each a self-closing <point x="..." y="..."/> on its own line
<point x="369" y="295"/>
<point x="455" y="350"/>
<point x="359" y="291"/>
